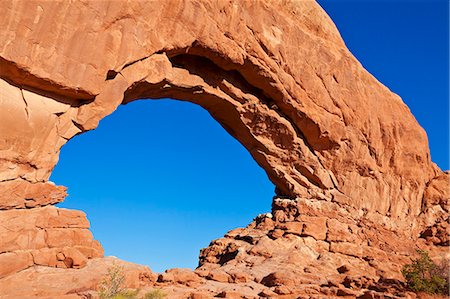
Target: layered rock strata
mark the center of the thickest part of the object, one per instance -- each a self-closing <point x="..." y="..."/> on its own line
<point x="46" y="236"/>
<point x="356" y="188"/>
<point x="302" y="249"/>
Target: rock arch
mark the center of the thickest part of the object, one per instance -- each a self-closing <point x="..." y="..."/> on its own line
<point x="302" y="115"/>
<point x="276" y="76"/>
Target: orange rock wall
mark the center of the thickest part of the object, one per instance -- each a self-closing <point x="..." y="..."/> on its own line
<point x="276" y="75"/>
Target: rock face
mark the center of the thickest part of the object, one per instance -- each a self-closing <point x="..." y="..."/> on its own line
<point x="45" y="236"/>
<point x="357" y="191"/>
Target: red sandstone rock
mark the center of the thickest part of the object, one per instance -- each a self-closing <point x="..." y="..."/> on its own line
<point x="301" y="128"/>
<point x="46" y="236"/>
<point x="240" y="277"/>
<point x="352" y="167"/>
<point x="315" y="227"/>
<point x="23" y="194"/>
<point x="279" y="279"/>
<point x="338" y="231"/>
<point x="229" y="294"/>
<point x="438" y="191"/>
<point x="181" y="276"/>
<point x="198" y="295"/>
<point x="48" y="282"/>
<point x="218" y="275"/>
<point x="13" y="262"/>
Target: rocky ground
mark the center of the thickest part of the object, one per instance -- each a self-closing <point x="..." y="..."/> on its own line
<point x="302" y="249"/>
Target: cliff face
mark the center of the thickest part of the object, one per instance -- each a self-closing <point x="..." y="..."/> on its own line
<point x="351" y="164"/>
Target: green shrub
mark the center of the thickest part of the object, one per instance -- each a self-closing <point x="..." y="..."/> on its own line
<point x="112" y="284"/>
<point x="128" y="294"/>
<point x="425" y="276"/>
<point x="111" y="287"/>
<point x="155" y="294"/>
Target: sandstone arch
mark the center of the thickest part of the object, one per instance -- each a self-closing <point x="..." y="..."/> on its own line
<point x="322" y="130"/>
<point x="277" y="76"/>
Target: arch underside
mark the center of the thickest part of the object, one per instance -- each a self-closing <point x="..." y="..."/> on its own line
<point x="281" y="82"/>
<point x="300" y="156"/>
<point x="244" y="110"/>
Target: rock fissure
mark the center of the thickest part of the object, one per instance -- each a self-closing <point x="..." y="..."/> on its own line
<point x="26" y="104"/>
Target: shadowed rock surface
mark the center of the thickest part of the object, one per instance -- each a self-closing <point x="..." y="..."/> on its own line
<point x="357" y="192"/>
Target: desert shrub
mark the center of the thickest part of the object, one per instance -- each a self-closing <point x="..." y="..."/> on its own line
<point x="423" y="275"/>
<point x="442" y="270"/>
<point x="112" y="284"/>
<point x="155" y="294"/>
<point x="126" y="294"/>
<point x="111" y="287"/>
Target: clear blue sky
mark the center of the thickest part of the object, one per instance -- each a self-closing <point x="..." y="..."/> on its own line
<point x="160" y="179"/>
<point x="404" y="44"/>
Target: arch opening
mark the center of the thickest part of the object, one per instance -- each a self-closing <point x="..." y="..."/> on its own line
<point x="248" y="104"/>
<point x="167" y="171"/>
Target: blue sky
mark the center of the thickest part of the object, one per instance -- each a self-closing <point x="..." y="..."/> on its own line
<point x="404" y="44"/>
<point x="160" y="179"/>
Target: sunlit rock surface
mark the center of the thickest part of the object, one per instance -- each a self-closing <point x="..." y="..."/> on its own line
<point x="357" y="191"/>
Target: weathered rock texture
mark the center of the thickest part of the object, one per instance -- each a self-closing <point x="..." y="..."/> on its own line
<point x="356" y="188"/>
